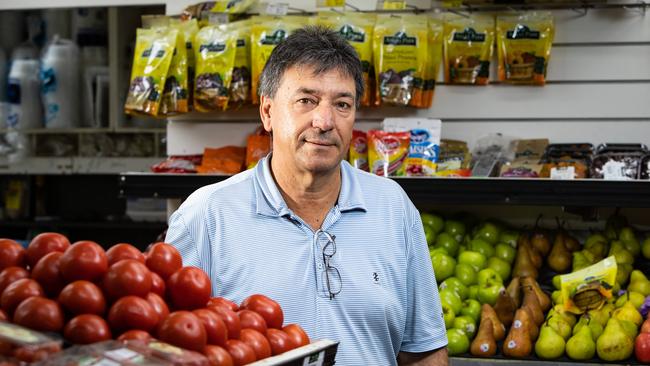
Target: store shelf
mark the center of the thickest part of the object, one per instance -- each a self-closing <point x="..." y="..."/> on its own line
<point x="78" y="131"/>
<point x="76" y="165"/>
<point x="467" y="361"/>
<point x="48" y="4"/>
<point x="477" y="191"/>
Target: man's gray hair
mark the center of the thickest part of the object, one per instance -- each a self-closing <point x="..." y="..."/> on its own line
<point x="315" y="46"/>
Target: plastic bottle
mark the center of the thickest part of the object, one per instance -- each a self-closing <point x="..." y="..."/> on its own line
<point x="60" y="84"/>
<point x="24" y="95"/>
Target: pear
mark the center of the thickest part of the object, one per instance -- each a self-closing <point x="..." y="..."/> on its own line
<point x="560" y="326"/>
<point x="622" y="255"/>
<point x="533" y="329"/>
<point x="518" y="342"/>
<point x="539" y="240"/>
<point x="557" y="298"/>
<point x="630" y="313"/>
<point x="629" y="328"/>
<point x="630" y="242"/>
<point x="530" y="302"/>
<point x="559" y="259"/>
<point x="635" y="298"/>
<point x="571" y="243"/>
<point x="549" y="345"/>
<point x="484" y="344"/>
<point x="558" y="310"/>
<point x="601" y="315"/>
<point x="639" y="283"/>
<point x="595" y="328"/>
<point x="542" y="297"/>
<point x="614" y="344"/>
<point x="581" y="346"/>
<point x="505" y="308"/>
<point x="514" y="290"/>
<point x="487" y="312"/>
<point x="597" y="248"/>
<point x="623" y="273"/>
<point x="523" y="263"/>
<point x="535" y="257"/>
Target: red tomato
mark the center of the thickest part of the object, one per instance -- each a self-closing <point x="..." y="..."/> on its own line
<point x="127" y="277"/>
<point x="12" y="254"/>
<point x="86" y="329"/>
<point x="240" y="352"/>
<point x="267" y="308"/>
<point x="163" y="259"/>
<point x="45" y="243"/>
<point x="158" y="305"/>
<point x="257" y="341"/>
<point x="6" y="348"/>
<point x="132" y="312"/>
<point x="29" y="355"/>
<point x="84" y="260"/>
<point x="40" y="314"/>
<point x="157" y="284"/>
<point x="215" y="328"/>
<point x="82" y="297"/>
<point x="217" y="356"/>
<point x="122" y="251"/>
<point x="252" y="320"/>
<point x="222" y="301"/>
<point x="279" y="340"/>
<point x="10" y="275"/>
<point x="17" y="292"/>
<point x="230" y="318"/>
<point x="189" y="288"/>
<point x="183" y="329"/>
<point x="3" y="316"/>
<point x="297" y="335"/>
<point x="134" y="334"/>
<point x="46" y="273"/>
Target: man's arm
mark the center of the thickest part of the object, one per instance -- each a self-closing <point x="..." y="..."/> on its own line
<point x="433" y="358"/>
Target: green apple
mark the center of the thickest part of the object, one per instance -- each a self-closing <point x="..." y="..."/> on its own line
<point x="451" y="299"/>
<point x="471" y="308"/>
<point x="448" y="316"/>
<point x="489" y="275"/>
<point x="509" y="237"/>
<point x="505" y="252"/>
<point x="447" y="241"/>
<point x="557" y="282"/>
<point x="472" y="292"/>
<point x="466" y="274"/>
<point x="481" y="246"/>
<point x="466" y="324"/>
<point x="455" y="228"/>
<point x="457" y="286"/>
<point x="430" y="235"/>
<point x="489" y="292"/>
<point x="443" y="265"/>
<point x="488" y="232"/>
<point x="457" y="342"/>
<point x="434" y="221"/>
<point x="500" y="266"/>
<point x="645" y="248"/>
<point x="474" y="259"/>
<point x="462" y="248"/>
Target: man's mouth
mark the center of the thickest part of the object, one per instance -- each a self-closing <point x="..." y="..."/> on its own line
<point x="320" y="142"/>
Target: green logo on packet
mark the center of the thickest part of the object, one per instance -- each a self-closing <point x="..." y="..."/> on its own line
<point x="147" y="53"/>
<point x="274" y="39"/>
<point x="522" y="32"/>
<point x="348" y="32"/>
<point x="400" y="39"/>
<point x="212" y="47"/>
<point x="469" y="35"/>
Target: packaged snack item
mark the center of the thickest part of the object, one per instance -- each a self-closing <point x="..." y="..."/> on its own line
<point x="359" y="150"/>
<point x="224" y="160"/>
<point x="616" y="166"/>
<point x="468" y="49"/>
<point x="26" y="345"/>
<point x="526" y="163"/>
<point x="489" y="154"/>
<point x="644" y="169"/>
<point x="258" y="146"/>
<point x="189" y="29"/>
<point x="387" y="152"/>
<point x="266" y="33"/>
<point x="232" y="6"/>
<point x="424" y="146"/>
<point x="567" y="161"/>
<point x="357" y="29"/>
<point x="589" y="287"/>
<point x="178" y="164"/>
<point x="524" y="47"/>
<point x="154" y="49"/>
<point x="215" y="50"/>
<point x="175" y="95"/>
<point x="434" y="56"/>
<point x="454" y="159"/>
<point x="240" y="86"/>
<point x="400" y="56"/>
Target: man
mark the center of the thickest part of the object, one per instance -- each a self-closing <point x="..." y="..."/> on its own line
<point x="341" y="250"/>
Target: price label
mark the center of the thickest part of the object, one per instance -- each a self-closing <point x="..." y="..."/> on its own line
<point x="613" y="170"/>
<point x="394" y="5"/>
<point x="563" y="173"/>
<point x="316" y="359"/>
<point x="276" y="9"/>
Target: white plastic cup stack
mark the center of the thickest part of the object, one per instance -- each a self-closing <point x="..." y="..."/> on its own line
<point x="60" y="84"/>
<point x="24" y="95"/>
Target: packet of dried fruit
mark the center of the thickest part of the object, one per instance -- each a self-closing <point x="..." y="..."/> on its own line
<point x="240" y="85"/>
<point x="357" y="29"/>
<point x="189" y="28"/>
<point x="175" y="95"/>
<point x="434" y="55"/>
<point x="468" y="48"/>
<point x="215" y="48"/>
<point x="524" y="47"/>
<point x="153" y="53"/>
<point x="400" y="55"/>
<point x="387" y="152"/>
<point x="266" y="33"/>
<point x="424" y="143"/>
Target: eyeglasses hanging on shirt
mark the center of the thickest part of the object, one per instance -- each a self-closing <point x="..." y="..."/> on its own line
<point x="331" y="273"/>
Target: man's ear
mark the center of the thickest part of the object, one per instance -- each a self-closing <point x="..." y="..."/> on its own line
<point x="265" y="112"/>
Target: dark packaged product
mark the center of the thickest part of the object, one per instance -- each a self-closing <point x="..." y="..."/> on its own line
<point x="359" y="150"/>
<point x="644" y="169"/>
<point x="621" y="148"/>
<point x="616" y="166"/>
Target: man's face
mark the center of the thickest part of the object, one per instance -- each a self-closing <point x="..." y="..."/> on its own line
<point x="311" y="117"/>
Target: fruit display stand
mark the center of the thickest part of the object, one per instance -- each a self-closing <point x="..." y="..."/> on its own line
<point x="318" y="353"/>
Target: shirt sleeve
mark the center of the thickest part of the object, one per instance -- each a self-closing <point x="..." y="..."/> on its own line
<point x="425" y="327"/>
<point x="180" y="237"/>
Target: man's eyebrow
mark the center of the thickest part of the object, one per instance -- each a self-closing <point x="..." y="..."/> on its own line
<point x="316" y="92"/>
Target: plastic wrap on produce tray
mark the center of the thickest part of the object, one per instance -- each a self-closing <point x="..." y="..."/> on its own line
<point x="489" y="153"/>
<point x="25" y="344"/>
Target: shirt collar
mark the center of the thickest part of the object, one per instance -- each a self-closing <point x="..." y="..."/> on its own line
<point x="269" y="200"/>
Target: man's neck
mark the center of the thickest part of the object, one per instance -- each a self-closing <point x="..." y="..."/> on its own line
<point x="309" y="196"/>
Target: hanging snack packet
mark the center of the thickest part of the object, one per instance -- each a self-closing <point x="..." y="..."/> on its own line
<point x="359" y="150"/>
<point x="387" y="152"/>
<point x="175" y="93"/>
<point x="240" y="86"/>
<point x="266" y="33"/>
<point x="232" y="6"/>
<point x="400" y="53"/>
<point x="468" y="49"/>
<point x="153" y="53"/>
<point x="189" y="29"/>
<point x="424" y="146"/>
<point x="357" y="29"/>
<point x="524" y="47"/>
<point x="215" y="49"/>
<point x="434" y="56"/>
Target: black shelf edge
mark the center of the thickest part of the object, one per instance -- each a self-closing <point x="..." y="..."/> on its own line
<point x="463" y="191"/>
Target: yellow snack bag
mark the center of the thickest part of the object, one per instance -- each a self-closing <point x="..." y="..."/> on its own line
<point x="188" y="28"/>
<point x="524" y="47"/>
<point x="153" y="53"/>
<point x="400" y="54"/>
<point x="240" y="86"/>
<point x="357" y="29"/>
<point x="215" y="49"/>
<point x="232" y="6"/>
<point x="588" y="288"/>
<point x="434" y="56"/>
<point x="175" y="93"/>
<point x="387" y="152"/>
<point x="468" y="49"/>
<point x="266" y="33"/>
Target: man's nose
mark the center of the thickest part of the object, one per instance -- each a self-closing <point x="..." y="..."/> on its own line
<point x="323" y="117"/>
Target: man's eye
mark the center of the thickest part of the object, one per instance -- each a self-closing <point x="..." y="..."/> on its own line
<point x="343" y="105"/>
<point x="306" y="101"/>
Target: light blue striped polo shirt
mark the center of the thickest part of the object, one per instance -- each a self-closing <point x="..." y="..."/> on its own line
<point x="241" y="232"/>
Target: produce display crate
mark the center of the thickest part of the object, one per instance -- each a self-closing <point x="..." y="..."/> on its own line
<point x="319" y="353"/>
